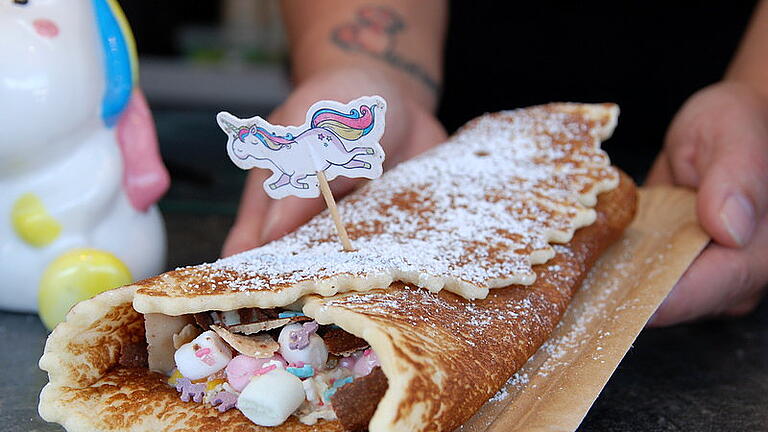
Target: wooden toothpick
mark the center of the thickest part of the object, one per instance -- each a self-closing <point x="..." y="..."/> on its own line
<point x="331" y="203"/>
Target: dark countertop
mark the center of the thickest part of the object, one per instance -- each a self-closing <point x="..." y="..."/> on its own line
<point x="710" y="376"/>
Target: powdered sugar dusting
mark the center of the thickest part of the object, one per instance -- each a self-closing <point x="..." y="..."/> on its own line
<point x="463" y="319"/>
<point x="465" y="350"/>
<point x="514" y="384"/>
<point x="475" y="213"/>
<point x="581" y="317"/>
<point x="500" y="395"/>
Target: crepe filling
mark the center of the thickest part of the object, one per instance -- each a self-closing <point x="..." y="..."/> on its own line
<point x="294" y="369"/>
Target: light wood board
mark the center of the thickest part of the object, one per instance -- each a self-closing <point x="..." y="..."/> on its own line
<point x="558" y="385"/>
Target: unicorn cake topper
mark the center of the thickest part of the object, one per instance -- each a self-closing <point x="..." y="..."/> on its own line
<point x="335" y="140"/>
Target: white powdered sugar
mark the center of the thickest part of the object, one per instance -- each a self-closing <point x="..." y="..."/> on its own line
<point x="475" y="213"/>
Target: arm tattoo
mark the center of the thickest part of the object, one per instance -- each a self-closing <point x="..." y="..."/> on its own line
<point x="373" y="33"/>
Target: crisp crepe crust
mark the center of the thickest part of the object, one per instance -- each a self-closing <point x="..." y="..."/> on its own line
<point x="89" y="391"/>
<point x="475" y="213"/>
<point x="443" y="355"/>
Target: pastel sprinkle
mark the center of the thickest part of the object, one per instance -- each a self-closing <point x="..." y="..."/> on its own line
<point x="328" y="393"/>
<point x="342" y="382"/>
<point x="337" y="384"/>
<point x="202" y="352"/>
<point x="289" y="314"/>
<point x="189" y="390"/>
<point x="299" y="339"/>
<point x="265" y="369"/>
<point x="225" y="400"/>
<point x="305" y="371"/>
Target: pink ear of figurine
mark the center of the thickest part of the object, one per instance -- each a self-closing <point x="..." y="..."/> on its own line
<point x="145" y="178"/>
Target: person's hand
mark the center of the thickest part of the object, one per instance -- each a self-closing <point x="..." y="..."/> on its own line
<point x="718" y="144"/>
<point x="410" y="129"/>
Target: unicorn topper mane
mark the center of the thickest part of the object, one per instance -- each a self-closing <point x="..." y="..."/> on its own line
<point x="349" y="126"/>
<point x="272" y="141"/>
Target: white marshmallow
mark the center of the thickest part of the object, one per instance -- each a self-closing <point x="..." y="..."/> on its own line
<point x="269" y="399"/>
<point x="315" y="354"/>
<point x="205" y="355"/>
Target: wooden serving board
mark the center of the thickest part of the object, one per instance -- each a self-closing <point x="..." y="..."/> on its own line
<point x="558" y="385"/>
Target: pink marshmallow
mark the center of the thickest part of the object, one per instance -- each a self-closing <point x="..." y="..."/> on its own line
<point x="242" y="368"/>
<point x="347" y="362"/>
<point x="366" y="363"/>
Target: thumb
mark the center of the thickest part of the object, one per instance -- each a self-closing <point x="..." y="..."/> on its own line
<point x="254" y="205"/>
<point x="733" y="191"/>
<point x="288" y="214"/>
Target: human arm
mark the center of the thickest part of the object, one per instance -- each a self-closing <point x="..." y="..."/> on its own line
<point x="341" y="50"/>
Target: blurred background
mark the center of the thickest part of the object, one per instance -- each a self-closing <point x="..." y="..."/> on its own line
<point x="196" y="59"/>
<point x="201" y="57"/>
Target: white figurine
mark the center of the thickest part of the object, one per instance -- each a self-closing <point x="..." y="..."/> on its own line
<point x="79" y="165"/>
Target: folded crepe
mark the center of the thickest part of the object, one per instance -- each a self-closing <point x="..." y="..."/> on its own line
<point x="414" y="303"/>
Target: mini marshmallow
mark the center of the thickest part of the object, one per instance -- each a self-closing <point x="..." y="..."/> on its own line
<point x="242" y="368"/>
<point x="366" y="363"/>
<point x="305" y="371"/>
<point x="205" y="355"/>
<point x="315" y="354"/>
<point x="269" y="399"/>
<point x="347" y="362"/>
